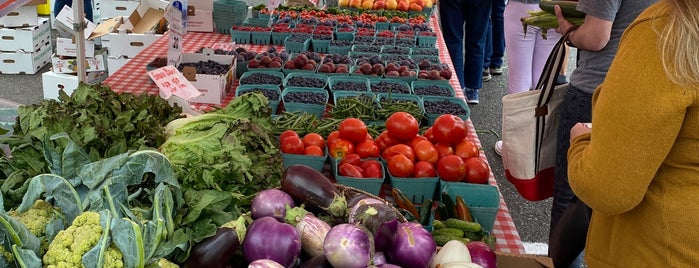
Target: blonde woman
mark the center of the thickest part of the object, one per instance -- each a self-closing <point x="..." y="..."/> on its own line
<point x="637" y="164"/>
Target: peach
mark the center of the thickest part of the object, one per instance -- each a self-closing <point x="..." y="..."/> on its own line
<point x="343" y="3"/>
<point x="368" y="4"/>
<point x="355" y="3"/>
<point x="379" y="5"/>
<point x="403" y="5"/>
<point x="415" y="7"/>
<point x="391" y="4"/>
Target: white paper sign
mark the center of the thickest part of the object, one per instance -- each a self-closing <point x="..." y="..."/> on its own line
<point x="171" y="82"/>
<point x="176" y="29"/>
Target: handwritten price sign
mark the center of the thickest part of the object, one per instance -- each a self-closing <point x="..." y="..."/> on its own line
<point x="171" y="82"/>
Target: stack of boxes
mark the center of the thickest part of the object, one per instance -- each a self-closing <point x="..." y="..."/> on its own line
<point x="200" y="16"/>
<point x="25" y="41"/>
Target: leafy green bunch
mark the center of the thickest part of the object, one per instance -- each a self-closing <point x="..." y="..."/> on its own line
<point x="95" y="118"/>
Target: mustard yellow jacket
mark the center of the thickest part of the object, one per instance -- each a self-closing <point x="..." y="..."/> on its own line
<point x="639" y="168"/>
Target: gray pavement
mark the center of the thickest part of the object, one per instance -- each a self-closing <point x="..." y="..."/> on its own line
<point x="530" y="218"/>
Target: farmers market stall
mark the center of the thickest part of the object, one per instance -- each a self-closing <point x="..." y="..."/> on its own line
<point x="132" y="78"/>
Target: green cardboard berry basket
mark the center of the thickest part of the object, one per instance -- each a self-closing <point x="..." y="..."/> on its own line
<point x="240" y="37"/>
<point x="483" y="200"/>
<point x="315" y="162"/>
<point x="273" y="104"/>
<point x="261" y="38"/>
<point x="306" y="75"/>
<point x="333" y="80"/>
<point x="310" y="108"/>
<point x="370" y="185"/>
<point x="270" y="72"/>
<point x="426" y="83"/>
<point x="416" y="189"/>
<point x="431" y="117"/>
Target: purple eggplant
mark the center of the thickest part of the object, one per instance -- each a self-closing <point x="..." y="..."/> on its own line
<point x="311" y="229"/>
<point x="317" y="262"/>
<point x="354" y="196"/>
<point x="413" y="246"/>
<point x="217" y="251"/>
<point x="271" y="202"/>
<point x="308" y="186"/>
<point x="268" y="238"/>
<point x="385" y="235"/>
<point x="264" y="263"/>
<point x="349" y="246"/>
<point x="372" y="215"/>
<point x="366" y="200"/>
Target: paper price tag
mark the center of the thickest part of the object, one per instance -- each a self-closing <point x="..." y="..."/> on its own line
<point x="171" y="82"/>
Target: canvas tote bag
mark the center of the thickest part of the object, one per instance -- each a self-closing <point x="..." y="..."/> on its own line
<point x="529" y="129"/>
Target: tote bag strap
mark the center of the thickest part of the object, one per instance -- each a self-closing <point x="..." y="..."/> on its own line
<point x="546" y="85"/>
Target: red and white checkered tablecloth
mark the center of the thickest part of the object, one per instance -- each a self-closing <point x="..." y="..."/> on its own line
<point x="132" y="78"/>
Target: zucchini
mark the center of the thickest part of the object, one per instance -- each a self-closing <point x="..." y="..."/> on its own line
<point x="453" y="232"/>
<point x="463" y="225"/>
<point x="567" y="7"/>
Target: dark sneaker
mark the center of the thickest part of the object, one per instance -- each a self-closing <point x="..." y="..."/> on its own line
<point x="486" y="75"/>
<point x="495" y="70"/>
<point x="471" y="96"/>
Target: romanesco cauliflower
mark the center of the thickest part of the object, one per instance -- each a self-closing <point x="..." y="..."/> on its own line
<point x="69" y="246"/>
<point x="36" y="219"/>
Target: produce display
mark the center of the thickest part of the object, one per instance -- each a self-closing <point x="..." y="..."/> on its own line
<point x="99" y="179"/>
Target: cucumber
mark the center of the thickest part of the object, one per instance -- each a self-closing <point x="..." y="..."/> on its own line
<point x="474" y="236"/>
<point x="437" y="224"/>
<point x="440" y="240"/>
<point x="453" y="232"/>
<point x="567" y="7"/>
<point x="463" y="225"/>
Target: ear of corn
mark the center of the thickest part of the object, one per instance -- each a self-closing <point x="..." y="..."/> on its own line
<point x="545" y="21"/>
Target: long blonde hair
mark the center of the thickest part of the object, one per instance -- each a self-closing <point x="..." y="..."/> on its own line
<point x="679" y="42"/>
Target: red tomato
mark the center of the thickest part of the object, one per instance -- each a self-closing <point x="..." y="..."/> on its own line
<point x="429" y="135"/>
<point x="313" y="139"/>
<point x="466" y="149"/>
<point x="415" y="140"/>
<point x="332" y="137"/>
<point x="425" y="151"/>
<point x="444" y="149"/>
<point x="400" y="166"/>
<point x="288" y="133"/>
<point x="349" y="170"/>
<point x="367" y="149"/>
<point x="372" y="169"/>
<point x="353" y="159"/>
<point x="384" y="140"/>
<point x="292" y="145"/>
<point x="424" y="169"/>
<point x="353" y="129"/>
<point x="398" y="149"/>
<point x="402" y="126"/>
<point x="368" y="136"/>
<point x="313" y="150"/>
<point x="449" y="129"/>
<point x="451" y="168"/>
<point x="341" y="148"/>
<point x="477" y="171"/>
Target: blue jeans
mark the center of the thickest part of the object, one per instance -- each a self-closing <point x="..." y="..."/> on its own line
<point x="58" y="5"/>
<point x="577" y="108"/>
<point x="471" y="15"/>
<point x="495" y="36"/>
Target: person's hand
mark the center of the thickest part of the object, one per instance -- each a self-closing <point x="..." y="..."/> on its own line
<point x="579" y="129"/>
<point x="563" y="24"/>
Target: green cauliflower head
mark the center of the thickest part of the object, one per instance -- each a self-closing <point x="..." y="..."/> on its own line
<point x="69" y="246"/>
<point x="37" y="218"/>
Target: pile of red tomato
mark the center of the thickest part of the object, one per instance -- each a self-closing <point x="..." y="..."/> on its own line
<point x="443" y="150"/>
<point x="311" y="144"/>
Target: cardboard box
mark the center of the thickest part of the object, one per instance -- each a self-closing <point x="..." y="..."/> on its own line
<point x="69" y="65"/>
<point x="23" y="16"/>
<point x="117" y="8"/>
<point x="92" y="31"/>
<point x="25" y="62"/>
<point x="127" y="44"/>
<point x="36" y="2"/>
<point x="114" y="64"/>
<point x="146" y="16"/>
<point x="213" y="88"/>
<point x="511" y="260"/>
<point x="53" y="82"/>
<point x="201" y="4"/>
<point x="200" y="21"/>
<point x="26" y="39"/>
<point x="66" y="47"/>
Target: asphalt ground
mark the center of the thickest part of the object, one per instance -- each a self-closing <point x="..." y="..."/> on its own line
<point x="530" y="218"/>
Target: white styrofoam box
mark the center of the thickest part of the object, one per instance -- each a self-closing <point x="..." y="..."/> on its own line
<point x="127" y="44"/>
<point x="69" y="65"/>
<point x="23" y="16"/>
<point x="66" y="47"/>
<point x="53" y="82"/>
<point x="114" y="64"/>
<point x="27" y="38"/>
<point x="25" y="62"/>
<point x="117" y="8"/>
<point x="213" y="88"/>
<point x="200" y="21"/>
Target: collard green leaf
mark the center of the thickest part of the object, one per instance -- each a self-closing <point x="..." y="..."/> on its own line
<point x="59" y="191"/>
<point x="18" y="233"/>
<point x="26" y="258"/>
<point x="67" y="163"/>
<point x="198" y="201"/>
<point x="127" y="236"/>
